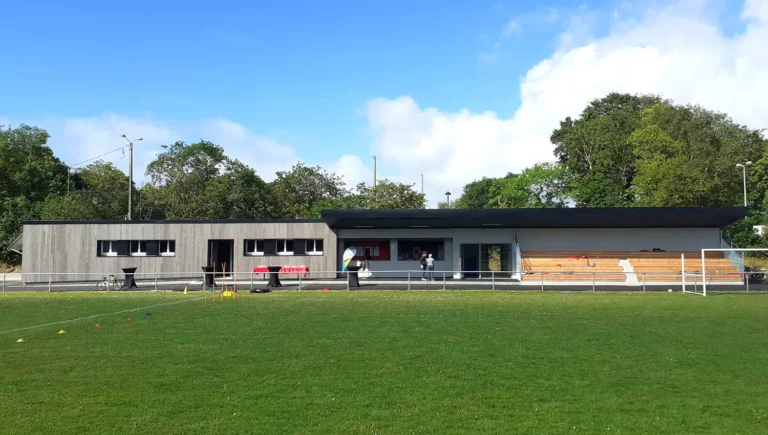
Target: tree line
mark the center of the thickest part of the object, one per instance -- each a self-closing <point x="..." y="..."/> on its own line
<point x="184" y="181"/>
<point x="628" y="150"/>
<point x="622" y="150"/>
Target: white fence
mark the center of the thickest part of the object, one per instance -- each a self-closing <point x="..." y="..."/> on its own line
<point x="394" y="279"/>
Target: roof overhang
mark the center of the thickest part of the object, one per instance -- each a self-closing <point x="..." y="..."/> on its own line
<point x="630" y="217"/>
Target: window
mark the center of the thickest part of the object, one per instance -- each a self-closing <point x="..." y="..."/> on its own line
<point x="315" y="247"/>
<point x="410" y="250"/>
<point x="167" y="248"/>
<point x="377" y="250"/>
<point x="138" y="248"/>
<point x="254" y="247"/>
<point x="112" y="248"/>
<point x="107" y="250"/>
<point x="285" y="247"/>
<point x="371" y="251"/>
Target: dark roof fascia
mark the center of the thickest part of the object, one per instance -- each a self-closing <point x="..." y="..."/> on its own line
<point x="626" y="217"/>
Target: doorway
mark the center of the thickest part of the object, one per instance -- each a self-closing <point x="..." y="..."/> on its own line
<point x="483" y="260"/>
<point x="220" y="256"/>
<point x="470" y="260"/>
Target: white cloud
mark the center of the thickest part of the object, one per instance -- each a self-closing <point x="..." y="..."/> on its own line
<point x="516" y="25"/>
<point x="488" y="57"/>
<point x="77" y="139"/>
<point x="262" y="153"/>
<point x="351" y="169"/>
<point x="678" y="51"/>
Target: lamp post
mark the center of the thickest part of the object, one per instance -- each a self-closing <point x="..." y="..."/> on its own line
<point x="744" y="174"/>
<point x="448" y="199"/>
<point x="130" y="174"/>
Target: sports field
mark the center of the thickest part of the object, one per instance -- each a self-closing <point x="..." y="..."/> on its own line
<point x="384" y="362"/>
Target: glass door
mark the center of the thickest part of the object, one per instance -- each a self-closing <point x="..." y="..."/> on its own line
<point x="470" y="260"/>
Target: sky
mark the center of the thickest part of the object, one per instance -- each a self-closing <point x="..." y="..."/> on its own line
<point x="452" y="90"/>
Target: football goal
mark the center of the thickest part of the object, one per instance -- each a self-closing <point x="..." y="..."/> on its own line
<point x="722" y="266"/>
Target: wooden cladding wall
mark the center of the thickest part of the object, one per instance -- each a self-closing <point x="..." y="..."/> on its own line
<point x="72" y="248"/>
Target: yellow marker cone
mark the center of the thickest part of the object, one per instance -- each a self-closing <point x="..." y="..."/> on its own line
<point x="21" y="340"/>
<point x="62" y="332"/>
<point x="185" y="290"/>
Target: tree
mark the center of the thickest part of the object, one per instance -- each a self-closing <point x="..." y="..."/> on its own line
<point x="390" y="195"/>
<point x="29" y="173"/>
<point x="102" y="195"/>
<point x="544" y="185"/>
<point x="12" y="216"/>
<point x="686" y="157"/>
<point x="299" y="191"/>
<point x="387" y="195"/>
<point x="476" y="194"/>
<point x="199" y="181"/>
<point x="28" y="167"/>
<point x="595" y="149"/>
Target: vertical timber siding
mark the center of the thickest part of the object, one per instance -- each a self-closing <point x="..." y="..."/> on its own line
<point x="72" y="248"/>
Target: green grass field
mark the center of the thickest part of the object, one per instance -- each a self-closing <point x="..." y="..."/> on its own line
<point x="386" y="363"/>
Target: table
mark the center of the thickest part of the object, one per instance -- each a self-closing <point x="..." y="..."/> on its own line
<point x="352" y="277"/>
<point x="285" y="270"/>
<point x="129" y="282"/>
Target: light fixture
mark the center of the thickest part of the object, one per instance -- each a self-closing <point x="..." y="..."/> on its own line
<point x="363" y="226"/>
<point x="419" y="226"/>
<point x="492" y="225"/>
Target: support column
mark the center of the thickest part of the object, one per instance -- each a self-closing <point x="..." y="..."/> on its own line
<point x="457" y="264"/>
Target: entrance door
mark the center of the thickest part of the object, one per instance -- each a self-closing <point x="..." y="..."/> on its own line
<point x="470" y="260"/>
<point x="220" y="255"/>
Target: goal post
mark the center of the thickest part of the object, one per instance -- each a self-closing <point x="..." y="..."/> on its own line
<point x="724" y="250"/>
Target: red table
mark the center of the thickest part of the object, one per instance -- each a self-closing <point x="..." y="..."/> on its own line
<point x="285" y="270"/>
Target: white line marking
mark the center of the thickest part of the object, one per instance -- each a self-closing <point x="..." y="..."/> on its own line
<point x="98" y="315"/>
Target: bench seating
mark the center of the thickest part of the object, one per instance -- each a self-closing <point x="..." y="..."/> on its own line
<point x="654" y="266"/>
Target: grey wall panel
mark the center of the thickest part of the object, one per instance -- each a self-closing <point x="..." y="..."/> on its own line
<point x="618" y="239"/>
<point x="72" y="248"/>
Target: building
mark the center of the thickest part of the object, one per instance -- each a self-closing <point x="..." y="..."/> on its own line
<point x="464" y="242"/>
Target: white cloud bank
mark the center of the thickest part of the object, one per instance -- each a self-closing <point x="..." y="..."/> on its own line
<point x="678" y="51"/>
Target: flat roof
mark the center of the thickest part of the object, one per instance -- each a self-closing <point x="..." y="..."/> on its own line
<point x="163" y="222"/>
<point x="627" y="217"/>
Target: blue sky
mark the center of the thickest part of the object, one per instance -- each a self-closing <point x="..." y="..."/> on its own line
<point x="303" y="74"/>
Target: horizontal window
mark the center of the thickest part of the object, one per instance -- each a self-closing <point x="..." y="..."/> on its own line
<point x="372" y="250"/>
<point x="254" y="247"/>
<point x="411" y="250"/>
<point x="136" y="248"/>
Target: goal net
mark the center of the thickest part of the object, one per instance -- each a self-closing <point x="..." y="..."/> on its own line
<point x="725" y="269"/>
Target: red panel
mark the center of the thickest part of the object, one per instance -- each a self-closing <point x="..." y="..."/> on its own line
<point x="383" y="246"/>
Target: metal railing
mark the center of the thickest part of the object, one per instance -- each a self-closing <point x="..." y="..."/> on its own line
<point x="395" y="279"/>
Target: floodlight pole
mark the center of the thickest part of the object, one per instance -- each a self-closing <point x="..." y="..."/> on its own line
<point x="130" y="175"/>
<point x="744" y="175"/>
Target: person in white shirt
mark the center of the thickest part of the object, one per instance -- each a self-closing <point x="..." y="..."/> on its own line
<point x="430" y="268"/>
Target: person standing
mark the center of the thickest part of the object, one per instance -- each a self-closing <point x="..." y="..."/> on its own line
<point x="431" y="268"/>
<point x="423" y="264"/>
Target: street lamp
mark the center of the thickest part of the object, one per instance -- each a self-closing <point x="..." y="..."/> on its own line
<point x="448" y="199"/>
<point x="744" y="173"/>
<point x="130" y="174"/>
